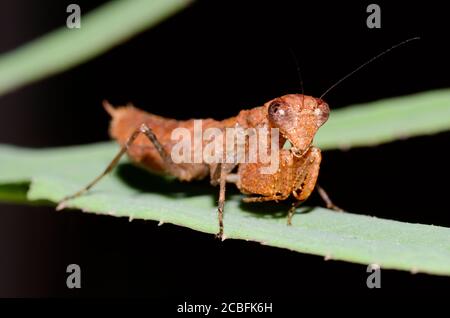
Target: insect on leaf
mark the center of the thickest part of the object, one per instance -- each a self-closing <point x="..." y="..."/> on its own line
<point x="340" y="236"/>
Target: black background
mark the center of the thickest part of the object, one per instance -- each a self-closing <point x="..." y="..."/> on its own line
<point x="212" y="60"/>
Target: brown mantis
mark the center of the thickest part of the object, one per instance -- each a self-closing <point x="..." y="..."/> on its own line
<point x="146" y="138"/>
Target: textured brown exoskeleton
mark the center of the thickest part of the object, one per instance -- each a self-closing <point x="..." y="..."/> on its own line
<point x="146" y="138"/>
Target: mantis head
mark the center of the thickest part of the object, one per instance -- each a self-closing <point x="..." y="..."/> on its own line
<point x="298" y="117"/>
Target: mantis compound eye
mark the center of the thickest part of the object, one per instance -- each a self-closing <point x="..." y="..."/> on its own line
<point x="279" y="113"/>
<point x="276" y="109"/>
<point x="322" y="112"/>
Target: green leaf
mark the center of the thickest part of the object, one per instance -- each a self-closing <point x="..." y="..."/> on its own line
<point x="103" y="28"/>
<point x="15" y="192"/>
<point x="133" y="193"/>
<point x="386" y="120"/>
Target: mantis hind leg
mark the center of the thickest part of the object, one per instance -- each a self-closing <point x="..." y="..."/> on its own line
<point x="143" y="129"/>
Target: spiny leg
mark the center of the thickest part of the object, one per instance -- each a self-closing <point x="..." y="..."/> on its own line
<point x="264" y="199"/>
<point x="329" y="204"/>
<point x="143" y="129"/>
<point x="301" y="180"/>
<point x="310" y="172"/>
